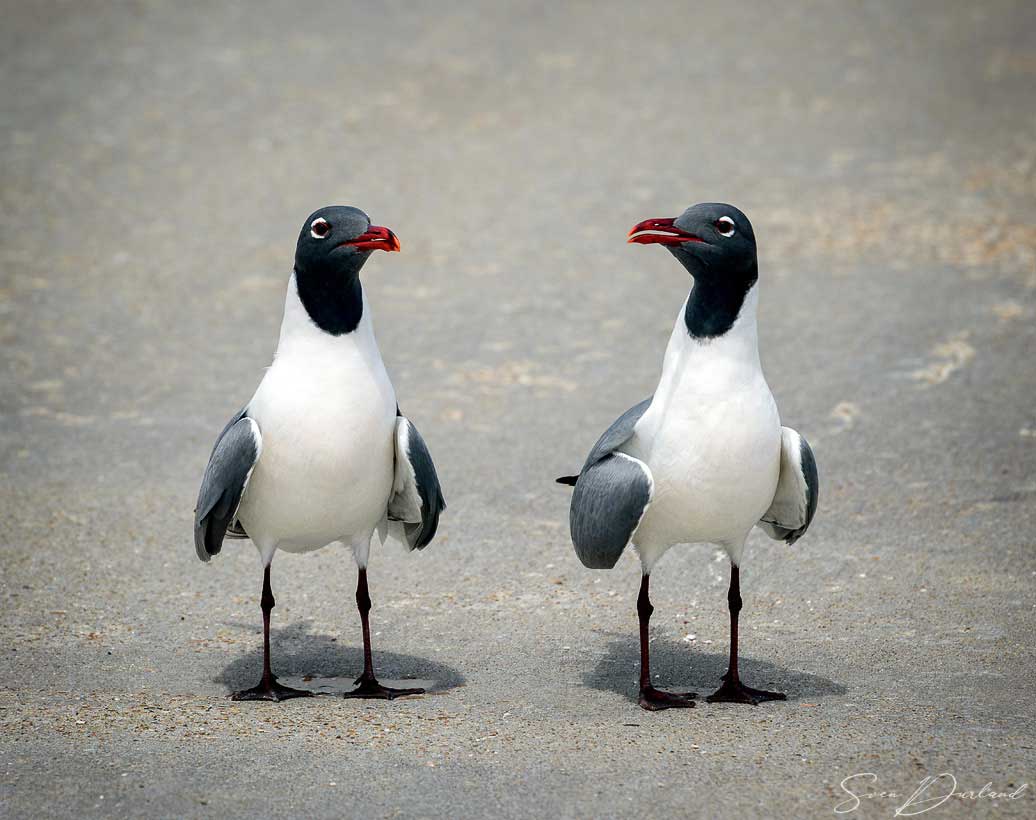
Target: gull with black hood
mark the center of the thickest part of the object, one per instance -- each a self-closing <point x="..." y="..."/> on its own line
<point x="704" y="459"/>
<point x="321" y="452"/>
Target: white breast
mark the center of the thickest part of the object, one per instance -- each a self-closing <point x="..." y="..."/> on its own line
<point x="712" y="439"/>
<point x="326" y="412"/>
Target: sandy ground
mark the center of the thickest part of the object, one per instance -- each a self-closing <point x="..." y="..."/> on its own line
<point x="157" y="161"/>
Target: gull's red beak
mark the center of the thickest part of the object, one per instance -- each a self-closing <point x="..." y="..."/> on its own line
<point x="660" y="232"/>
<point x="375" y="238"/>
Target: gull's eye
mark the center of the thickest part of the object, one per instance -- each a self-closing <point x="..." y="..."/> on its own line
<point x="319" y="228"/>
<point x="725" y="226"/>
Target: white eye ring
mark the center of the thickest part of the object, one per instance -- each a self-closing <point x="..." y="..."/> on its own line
<point x="725" y="226"/>
<point x="319" y="229"/>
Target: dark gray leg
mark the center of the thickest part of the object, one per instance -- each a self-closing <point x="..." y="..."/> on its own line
<point x="651" y="698"/>
<point x="268" y="688"/>
<point x="732" y="690"/>
<point x="367" y="684"/>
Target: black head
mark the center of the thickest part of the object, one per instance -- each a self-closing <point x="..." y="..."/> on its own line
<point x="712" y="240"/>
<point x="716" y="244"/>
<point x="333" y="245"/>
<point x="338" y="239"/>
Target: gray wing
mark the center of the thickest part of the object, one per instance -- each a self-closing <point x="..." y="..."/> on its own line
<point x="798" y="488"/>
<point x="610" y="499"/>
<point x="619" y="433"/>
<point x="612" y="493"/>
<point x="416" y="498"/>
<point x="226" y="476"/>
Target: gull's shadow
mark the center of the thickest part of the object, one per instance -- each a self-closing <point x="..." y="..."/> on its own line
<point x="323" y="664"/>
<point x="679" y="669"/>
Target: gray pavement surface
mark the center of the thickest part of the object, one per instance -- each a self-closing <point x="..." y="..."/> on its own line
<point x="157" y="160"/>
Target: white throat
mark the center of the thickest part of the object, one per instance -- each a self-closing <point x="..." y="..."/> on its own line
<point x="740" y="343"/>
<point x="301" y="335"/>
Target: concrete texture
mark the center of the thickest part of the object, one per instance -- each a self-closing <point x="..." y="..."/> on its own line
<point x="157" y="160"/>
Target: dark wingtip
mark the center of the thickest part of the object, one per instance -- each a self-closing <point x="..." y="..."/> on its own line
<point x="568" y="480"/>
<point x="794" y="536"/>
<point x="206" y="544"/>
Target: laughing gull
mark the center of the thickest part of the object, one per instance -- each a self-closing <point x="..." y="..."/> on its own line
<point x="704" y="459"/>
<point x="321" y="453"/>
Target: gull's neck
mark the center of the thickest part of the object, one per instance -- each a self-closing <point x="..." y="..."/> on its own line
<point x="713" y="308"/>
<point x="300" y="333"/>
<point x="731" y="356"/>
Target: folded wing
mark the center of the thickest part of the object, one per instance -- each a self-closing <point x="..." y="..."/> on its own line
<point x="795" y="502"/>
<point x="230" y="466"/>
<point x="620" y="431"/>
<point x="609" y="500"/>
<point x="416" y="499"/>
<point x="612" y="493"/>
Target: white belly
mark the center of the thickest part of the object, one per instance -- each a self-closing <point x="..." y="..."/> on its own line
<point x="712" y="440"/>
<point x="326" y="412"/>
<point x="326" y="467"/>
<point x="715" y="466"/>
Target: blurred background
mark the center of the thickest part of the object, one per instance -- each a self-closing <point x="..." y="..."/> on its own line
<point x="158" y="159"/>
